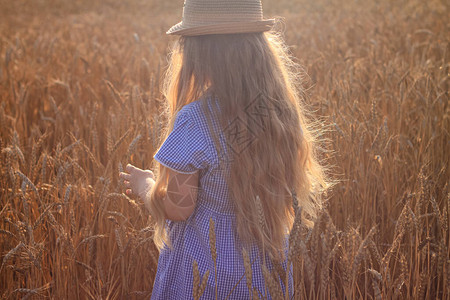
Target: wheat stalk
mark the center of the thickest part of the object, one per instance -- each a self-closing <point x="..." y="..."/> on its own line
<point x="274" y="287"/>
<point x="376" y="279"/>
<point x="196" y="281"/>
<point x="11" y="253"/>
<point x="248" y="270"/>
<point x="203" y="283"/>
<point x="213" y="250"/>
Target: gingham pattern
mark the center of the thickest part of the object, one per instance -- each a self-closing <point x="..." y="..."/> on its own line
<point x="189" y="148"/>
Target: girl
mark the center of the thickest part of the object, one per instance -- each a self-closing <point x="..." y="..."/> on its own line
<point x="237" y="152"/>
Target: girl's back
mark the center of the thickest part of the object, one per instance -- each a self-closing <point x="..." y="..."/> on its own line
<point x="188" y="148"/>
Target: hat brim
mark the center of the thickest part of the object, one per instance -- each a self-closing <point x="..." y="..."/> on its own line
<point x="222" y="28"/>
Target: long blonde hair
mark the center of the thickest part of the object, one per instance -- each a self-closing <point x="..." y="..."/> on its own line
<point x="282" y="158"/>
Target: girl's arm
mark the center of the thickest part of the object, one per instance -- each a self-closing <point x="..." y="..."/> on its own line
<point x="182" y="191"/>
<point x="181" y="196"/>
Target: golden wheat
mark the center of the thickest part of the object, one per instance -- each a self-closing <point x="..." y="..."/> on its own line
<point x="81" y="98"/>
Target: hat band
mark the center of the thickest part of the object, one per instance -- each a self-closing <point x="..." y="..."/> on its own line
<point x="201" y="20"/>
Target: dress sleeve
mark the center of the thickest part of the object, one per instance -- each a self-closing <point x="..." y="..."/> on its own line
<point x="185" y="149"/>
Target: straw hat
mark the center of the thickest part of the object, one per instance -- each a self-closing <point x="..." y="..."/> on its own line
<point x="202" y="17"/>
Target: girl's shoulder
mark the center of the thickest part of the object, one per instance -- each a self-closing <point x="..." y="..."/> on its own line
<point x="193" y="112"/>
<point x="200" y="104"/>
<point x="198" y="109"/>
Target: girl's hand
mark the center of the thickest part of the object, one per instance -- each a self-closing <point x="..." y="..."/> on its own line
<point x="137" y="181"/>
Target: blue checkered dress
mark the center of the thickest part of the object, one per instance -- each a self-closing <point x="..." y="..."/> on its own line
<point x="190" y="148"/>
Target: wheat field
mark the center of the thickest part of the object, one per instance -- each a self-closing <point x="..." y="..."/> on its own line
<point x="80" y="98"/>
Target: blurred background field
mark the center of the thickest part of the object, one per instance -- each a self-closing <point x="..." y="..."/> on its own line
<point x="80" y="98"/>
